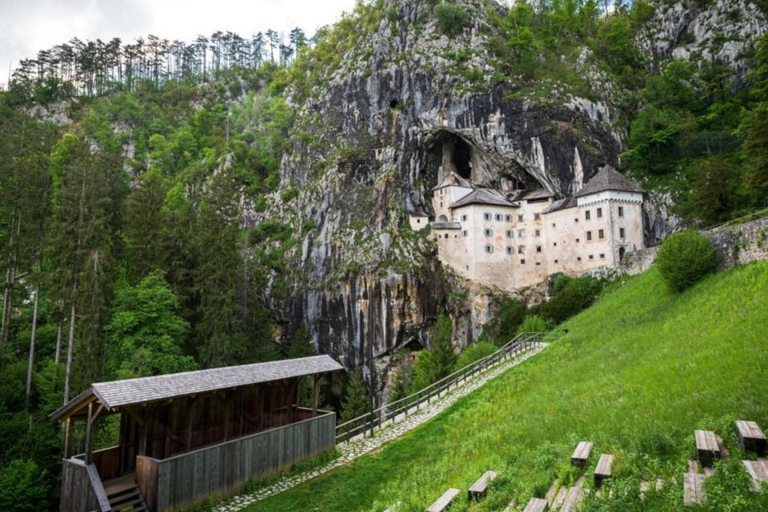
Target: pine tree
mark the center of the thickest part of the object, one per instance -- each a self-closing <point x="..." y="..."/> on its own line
<point x="219" y="329"/>
<point x="145" y="221"/>
<point x="357" y="400"/>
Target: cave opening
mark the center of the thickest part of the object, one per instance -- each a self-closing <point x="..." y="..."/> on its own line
<point x="394" y="103"/>
<point x="462" y="158"/>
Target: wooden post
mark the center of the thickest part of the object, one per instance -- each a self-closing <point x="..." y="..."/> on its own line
<point x="88" y="435"/>
<point x="315" y="390"/>
<point x="68" y="438"/>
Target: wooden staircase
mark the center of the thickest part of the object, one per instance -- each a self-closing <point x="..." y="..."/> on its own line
<point x="127" y="498"/>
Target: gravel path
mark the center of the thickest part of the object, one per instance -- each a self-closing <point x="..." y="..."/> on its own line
<point x="362" y="445"/>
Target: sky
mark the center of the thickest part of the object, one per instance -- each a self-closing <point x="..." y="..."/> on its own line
<point x="27" y="26"/>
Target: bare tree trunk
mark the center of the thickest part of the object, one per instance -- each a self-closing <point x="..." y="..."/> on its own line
<point x="10" y="280"/>
<point x="60" y="333"/>
<point x="31" y="367"/>
<point x="70" y="348"/>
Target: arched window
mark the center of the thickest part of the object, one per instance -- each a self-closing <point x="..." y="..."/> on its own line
<point x="510" y="250"/>
<point x="488" y="232"/>
<point x="489" y="249"/>
<point x="507" y="218"/>
<point x="499" y="217"/>
<point x="487" y="216"/>
<point x="508" y="233"/>
<point x="442" y="218"/>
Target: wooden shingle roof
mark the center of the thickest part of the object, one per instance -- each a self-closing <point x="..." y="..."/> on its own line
<point x="483" y="196"/>
<point x="609" y="179"/>
<point x="162" y="387"/>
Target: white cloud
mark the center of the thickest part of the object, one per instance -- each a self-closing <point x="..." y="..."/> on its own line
<point x="27" y="26"/>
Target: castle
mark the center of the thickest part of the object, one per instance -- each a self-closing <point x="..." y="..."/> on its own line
<point x="512" y="240"/>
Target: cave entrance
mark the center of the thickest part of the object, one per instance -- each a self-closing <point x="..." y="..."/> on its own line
<point x="462" y="159"/>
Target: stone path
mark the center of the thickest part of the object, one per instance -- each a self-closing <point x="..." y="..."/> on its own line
<point x="362" y="445"/>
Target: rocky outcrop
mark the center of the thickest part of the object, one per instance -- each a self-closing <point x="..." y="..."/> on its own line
<point x="723" y="30"/>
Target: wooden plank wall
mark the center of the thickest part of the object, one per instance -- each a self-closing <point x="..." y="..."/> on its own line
<point x="190" y="477"/>
<point x="77" y="494"/>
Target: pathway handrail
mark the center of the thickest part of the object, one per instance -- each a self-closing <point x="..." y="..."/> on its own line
<point x="370" y="420"/>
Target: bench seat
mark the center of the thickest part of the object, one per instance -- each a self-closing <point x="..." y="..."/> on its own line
<point x="758" y="471"/>
<point x="479" y="489"/>
<point x="444" y="502"/>
<point x="707" y="447"/>
<point x="537" y="505"/>
<point x="603" y="469"/>
<point x="581" y="455"/>
<point x="751" y="437"/>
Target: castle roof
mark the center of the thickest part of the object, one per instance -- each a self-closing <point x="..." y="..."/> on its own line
<point x="483" y="196"/>
<point x="539" y="193"/>
<point x="609" y="179"/>
<point x="561" y="204"/>
<point x="454" y="180"/>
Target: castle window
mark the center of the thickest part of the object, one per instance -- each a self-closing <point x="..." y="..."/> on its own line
<point x="508" y="233"/>
<point x="602" y="256"/>
<point x="578" y="259"/>
<point x="488" y="232"/>
<point x="441" y="204"/>
<point x="538" y="232"/>
<point x="507" y="218"/>
<point x="553" y="224"/>
<point x="536" y="216"/>
<point x="464" y="218"/>
<point x="587" y="215"/>
<point x="576" y="220"/>
<point x="520" y="233"/>
<point x="466" y="233"/>
<point x="446" y="235"/>
<point x="578" y="240"/>
<point x="489" y="249"/>
<point x="538" y="263"/>
<point x="621" y="232"/>
<point x="621" y="211"/>
<point x="555" y="244"/>
<point x="591" y="257"/>
<point x="601" y="234"/>
<point x="487" y="216"/>
<point x="599" y="213"/>
<point x="589" y="236"/>
<point x="510" y="250"/>
<point x="499" y="217"/>
<point x="520" y="249"/>
<point x="538" y="248"/>
<point x="522" y="262"/>
<point x="556" y="261"/>
<point x="519" y="218"/>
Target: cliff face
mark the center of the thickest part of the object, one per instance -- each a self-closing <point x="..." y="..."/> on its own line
<point x="393" y="120"/>
<point x="406" y="106"/>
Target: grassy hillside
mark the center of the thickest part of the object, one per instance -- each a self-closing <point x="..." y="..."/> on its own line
<point x="637" y="373"/>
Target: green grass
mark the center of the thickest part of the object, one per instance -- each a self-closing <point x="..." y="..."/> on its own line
<point x="636" y="374"/>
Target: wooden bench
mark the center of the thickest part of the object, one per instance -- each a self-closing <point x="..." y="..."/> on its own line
<point x="580" y="457"/>
<point x="758" y="471"/>
<point x="693" y="489"/>
<point x="751" y="437"/>
<point x="537" y="505"/>
<point x="572" y="499"/>
<point x="603" y="469"/>
<point x="444" y="502"/>
<point x="707" y="448"/>
<point x="479" y="489"/>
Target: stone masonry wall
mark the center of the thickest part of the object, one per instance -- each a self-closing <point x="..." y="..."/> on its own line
<point x="736" y="245"/>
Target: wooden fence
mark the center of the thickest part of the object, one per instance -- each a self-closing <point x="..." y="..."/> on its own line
<point x="182" y="480"/>
<point x="81" y="488"/>
<point x="367" y="423"/>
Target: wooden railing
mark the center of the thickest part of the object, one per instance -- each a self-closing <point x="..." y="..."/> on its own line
<point x="82" y="489"/>
<point x="367" y="423"/>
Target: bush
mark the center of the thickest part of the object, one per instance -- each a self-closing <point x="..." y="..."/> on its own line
<point x="473" y="353"/>
<point x="504" y="327"/>
<point x="438" y="361"/>
<point x="685" y="258"/>
<point x="574" y="296"/>
<point x="23" y="487"/>
<point x="535" y="323"/>
<point x="451" y="18"/>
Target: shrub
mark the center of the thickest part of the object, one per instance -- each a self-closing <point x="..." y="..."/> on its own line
<point x="451" y="18"/>
<point x="23" y="487"/>
<point x="575" y="296"/>
<point x="473" y="353"/>
<point x="504" y="327"/>
<point x="438" y="361"/>
<point x="685" y="258"/>
<point x="535" y="323"/>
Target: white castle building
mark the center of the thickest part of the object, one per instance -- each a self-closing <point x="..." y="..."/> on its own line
<point x="518" y="239"/>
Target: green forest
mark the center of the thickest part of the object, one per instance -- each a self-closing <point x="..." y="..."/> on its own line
<point x="125" y="170"/>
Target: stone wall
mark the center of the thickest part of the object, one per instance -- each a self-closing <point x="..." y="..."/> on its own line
<point x="736" y="245"/>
